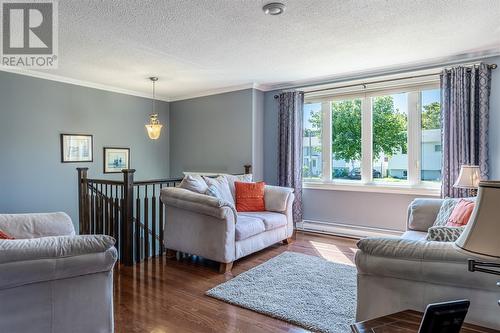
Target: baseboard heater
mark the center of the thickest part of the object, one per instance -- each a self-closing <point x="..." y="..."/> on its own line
<point x="345" y="230"/>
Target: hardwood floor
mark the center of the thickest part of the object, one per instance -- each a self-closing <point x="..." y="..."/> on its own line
<point x="166" y="296"/>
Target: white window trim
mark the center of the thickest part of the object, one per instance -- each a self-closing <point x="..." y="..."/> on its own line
<point x="414" y="185"/>
<point x="424" y="189"/>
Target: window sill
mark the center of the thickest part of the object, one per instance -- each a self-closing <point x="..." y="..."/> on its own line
<point x="374" y="188"/>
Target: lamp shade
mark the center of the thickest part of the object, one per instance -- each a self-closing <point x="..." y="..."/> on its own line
<point x="154" y="127"/>
<point x="481" y="236"/>
<point x="154" y="131"/>
<point x="468" y="177"/>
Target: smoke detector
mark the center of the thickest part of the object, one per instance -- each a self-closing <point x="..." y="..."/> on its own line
<point x="274" y="8"/>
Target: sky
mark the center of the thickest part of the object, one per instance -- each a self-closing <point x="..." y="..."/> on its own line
<point x="428" y="96"/>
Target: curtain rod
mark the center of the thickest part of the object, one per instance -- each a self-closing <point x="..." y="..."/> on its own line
<point x="492" y="66"/>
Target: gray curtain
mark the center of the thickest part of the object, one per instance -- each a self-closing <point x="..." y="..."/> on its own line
<point x="290" y="147"/>
<point x="465" y="96"/>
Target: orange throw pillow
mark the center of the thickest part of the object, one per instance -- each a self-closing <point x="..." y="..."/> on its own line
<point x="461" y="213"/>
<point x="3" y="235"/>
<point x="250" y="197"/>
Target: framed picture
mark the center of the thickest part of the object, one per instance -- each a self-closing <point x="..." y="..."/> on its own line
<point x="116" y="159"/>
<point x="76" y="148"/>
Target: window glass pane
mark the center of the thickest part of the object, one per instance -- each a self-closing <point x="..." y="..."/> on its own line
<point x="346" y="139"/>
<point x="312" y="166"/>
<point x="390" y="138"/>
<point x="431" y="136"/>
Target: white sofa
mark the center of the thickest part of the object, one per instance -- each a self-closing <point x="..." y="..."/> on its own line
<point x="206" y="226"/>
<point x="396" y="274"/>
<point x="52" y="280"/>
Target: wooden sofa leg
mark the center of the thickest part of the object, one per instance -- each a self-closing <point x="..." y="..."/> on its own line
<point x="171" y="254"/>
<point x="288" y="240"/>
<point x="225" y="267"/>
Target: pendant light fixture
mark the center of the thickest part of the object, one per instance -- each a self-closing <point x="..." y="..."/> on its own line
<point x="154" y="126"/>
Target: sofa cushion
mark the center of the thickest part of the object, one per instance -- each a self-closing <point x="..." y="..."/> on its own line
<point x="414" y="235"/>
<point x="271" y="220"/>
<point x="248" y="226"/>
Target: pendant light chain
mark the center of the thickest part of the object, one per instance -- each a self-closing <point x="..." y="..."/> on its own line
<point x="154" y="94"/>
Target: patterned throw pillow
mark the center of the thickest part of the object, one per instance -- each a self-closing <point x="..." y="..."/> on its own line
<point x="445" y="211"/>
<point x="444" y="234"/>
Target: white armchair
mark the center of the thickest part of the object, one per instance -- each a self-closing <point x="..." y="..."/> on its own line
<point x="396" y="274"/>
<point x="206" y="226"/>
<point x="52" y="280"/>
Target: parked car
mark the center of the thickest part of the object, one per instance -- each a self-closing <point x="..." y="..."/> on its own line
<point x="355" y="173"/>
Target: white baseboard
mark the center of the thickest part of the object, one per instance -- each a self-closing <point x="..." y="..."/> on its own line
<point x="345" y="229"/>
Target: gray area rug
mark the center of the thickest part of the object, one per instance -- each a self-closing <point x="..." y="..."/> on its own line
<point x="304" y="290"/>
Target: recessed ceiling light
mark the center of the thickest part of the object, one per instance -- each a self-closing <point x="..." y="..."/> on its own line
<point x="274" y="8"/>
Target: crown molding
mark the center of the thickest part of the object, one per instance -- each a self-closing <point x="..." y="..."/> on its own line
<point x="332" y="79"/>
<point x="218" y="91"/>
<point x="391" y="70"/>
<point x="87" y="84"/>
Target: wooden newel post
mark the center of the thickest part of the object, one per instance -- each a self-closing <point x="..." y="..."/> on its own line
<point x="127" y="226"/>
<point x="248" y="169"/>
<point x="82" y="199"/>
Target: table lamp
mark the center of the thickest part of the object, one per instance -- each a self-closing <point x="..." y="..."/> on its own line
<point x="481" y="235"/>
<point x="468" y="178"/>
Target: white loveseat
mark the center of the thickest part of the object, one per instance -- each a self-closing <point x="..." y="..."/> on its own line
<point x="52" y="281"/>
<point x="209" y="227"/>
<point x="396" y="274"/>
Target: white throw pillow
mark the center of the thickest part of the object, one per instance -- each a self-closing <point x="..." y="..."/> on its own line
<point x="222" y="187"/>
<point x="246" y="178"/>
<point x="194" y="183"/>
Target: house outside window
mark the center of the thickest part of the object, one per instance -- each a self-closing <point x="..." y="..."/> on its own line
<point x="375" y="136"/>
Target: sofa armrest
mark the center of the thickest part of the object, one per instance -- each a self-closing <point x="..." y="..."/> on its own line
<point x="39" y="260"/>
<point x="276" y="198"/>
<point x="53" y="247"/>
<point x="196" y="202"/>
<point x="402" y="248"/>
<point x="22" y="226"/>
<point x="422" y="213"/>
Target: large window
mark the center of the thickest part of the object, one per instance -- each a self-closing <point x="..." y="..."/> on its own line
<point x="346" y="139"/>
<point x="380" y="136"/>
<point x="312" y="167"/>
<point x="431" y="136"/>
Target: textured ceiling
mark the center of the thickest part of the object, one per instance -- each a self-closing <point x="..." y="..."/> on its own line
<point x="204" y="45"/>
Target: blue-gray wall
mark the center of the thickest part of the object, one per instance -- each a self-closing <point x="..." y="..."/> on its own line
<point x="33" y="112"/>
<point x="359" y="208"/>
<point x="212" y="133"/>
<point x="258" y="135"/>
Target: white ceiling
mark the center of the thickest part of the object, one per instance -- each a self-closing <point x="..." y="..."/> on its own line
<point x="204" y="45"/>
